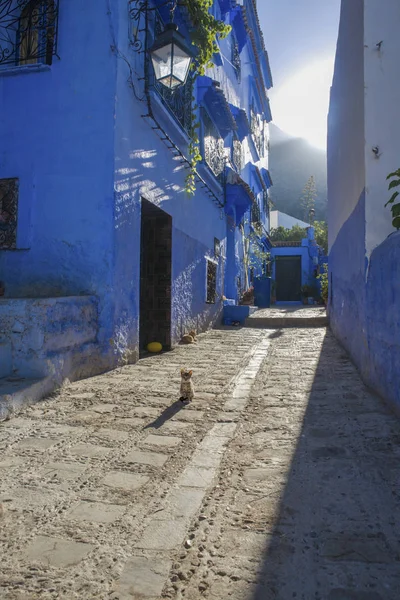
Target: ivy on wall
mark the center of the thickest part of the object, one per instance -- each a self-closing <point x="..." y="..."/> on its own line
<point x="204" y="35"/>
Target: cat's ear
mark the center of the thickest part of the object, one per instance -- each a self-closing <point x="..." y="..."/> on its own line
<point x="190" y="373"/>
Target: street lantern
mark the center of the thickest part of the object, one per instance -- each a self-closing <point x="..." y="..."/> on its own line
<point x="171" y="57"/>
<point x="311" y="215"/>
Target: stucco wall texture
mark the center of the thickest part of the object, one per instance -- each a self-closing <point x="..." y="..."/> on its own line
<point x="363" y="274"/>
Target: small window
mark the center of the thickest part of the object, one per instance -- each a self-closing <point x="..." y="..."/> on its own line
<point x="211" y="282"/>
<point x="235" y="57"/>
<point x="217" y="247"/>
<point x="213" y="145"/>
<point x="37" y="32"/>
<point x="28" y="31"/>
<point x="8" y="213"/>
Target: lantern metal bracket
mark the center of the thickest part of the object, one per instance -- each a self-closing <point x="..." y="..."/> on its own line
<point x="138" y="12"/>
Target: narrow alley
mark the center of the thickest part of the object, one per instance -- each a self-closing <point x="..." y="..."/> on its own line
<point x="279" y="481"/>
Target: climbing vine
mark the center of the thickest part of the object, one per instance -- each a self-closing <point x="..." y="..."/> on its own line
<point x="205" y="33"/>
<point x="395" y="208"/>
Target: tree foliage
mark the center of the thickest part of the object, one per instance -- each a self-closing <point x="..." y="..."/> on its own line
<point x="253" y="253"/>
<point x="297" y="233"/>
<point x="324" y="281"/>
<point x="282" y="234"/>
<point x="321" y="234"/>
<point x="308" y="196"/>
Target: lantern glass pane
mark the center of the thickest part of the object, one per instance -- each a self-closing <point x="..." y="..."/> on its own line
<point x="170" y="82"/>
<point x="162" y="62"/>
<point x="181" y="64"/>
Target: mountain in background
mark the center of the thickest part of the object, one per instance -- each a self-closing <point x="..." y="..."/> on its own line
<point x="292" y="161"/>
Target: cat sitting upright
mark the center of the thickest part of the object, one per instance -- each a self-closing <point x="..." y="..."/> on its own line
<point x="187" y="387"/>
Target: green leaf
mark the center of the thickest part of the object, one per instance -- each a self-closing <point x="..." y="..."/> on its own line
<point x="394" y="174"/>
<point x="394" y="184"/>
<point x="392" y="199"/>
<point x="396" y="222"/>
<point x="396" y="210"/>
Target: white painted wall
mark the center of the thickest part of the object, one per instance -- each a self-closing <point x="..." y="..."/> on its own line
<point x="280" y="219"/>
<point x="346" y="176"/>
<point x="382" y="112"/>
<point x="364" y="113"/>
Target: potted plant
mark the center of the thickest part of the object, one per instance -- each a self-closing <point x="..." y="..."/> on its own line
<point x="323" y="279"/>
<point x="305" y="293"/>
<point x="248" y="297"/>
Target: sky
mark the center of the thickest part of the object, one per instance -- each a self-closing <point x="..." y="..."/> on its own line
<point x="300" y="37"/>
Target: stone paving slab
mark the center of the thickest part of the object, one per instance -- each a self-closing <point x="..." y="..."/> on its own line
<point x="154" y="459"/>
<point x="56" y="552"/>
<point x="96" y="512"/>
<point x="62" y="470"/>
<point x="89" y="451"/>
<point x="39" y="444"/>
<point x="162" y="441"/>
<point x="125" y="481"/>
<point x="163" y="535"/>
<point x="143" y="577"/>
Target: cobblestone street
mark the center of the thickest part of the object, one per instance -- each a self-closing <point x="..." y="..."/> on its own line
<point x="279" y="481"/>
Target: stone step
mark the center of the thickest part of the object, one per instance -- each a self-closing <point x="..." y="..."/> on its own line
<point x="285" y="322"/>
<point x="16" y="392"/>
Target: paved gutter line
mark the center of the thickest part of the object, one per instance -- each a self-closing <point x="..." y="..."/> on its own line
<point x="146" y="573"/>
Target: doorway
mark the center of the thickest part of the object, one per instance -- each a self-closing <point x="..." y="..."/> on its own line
<point x="155" y="276"/>
<point x="288" y="278"/>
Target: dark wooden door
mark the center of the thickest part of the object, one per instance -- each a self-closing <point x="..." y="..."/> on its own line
<point x="288" y="278"/>
<point x="155" y="276"/>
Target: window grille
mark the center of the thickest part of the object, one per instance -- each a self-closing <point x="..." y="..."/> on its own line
<point x="8" y="213"/>
<point x="28" y="31"/>
<point x="213" y="145"/>
<point x="211" y="282"/>
<point x="236" y="61"/>
<point x="237" y="155"/>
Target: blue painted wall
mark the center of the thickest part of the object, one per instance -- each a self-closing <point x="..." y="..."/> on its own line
<point x="382" y="321"/>
<point x="86" y="158"/>
<point x="57" y="137"/>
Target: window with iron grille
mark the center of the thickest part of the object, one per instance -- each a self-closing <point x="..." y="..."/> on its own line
<point x="255" y="213"/>
<point x="211" y="281"/>
<point x="217" y="247"/>
<point x="213" y="145"/>
<point x="237" y="155"/>
<point x="265" y="202"/>
<point x="257" y="129"/>
<point x="8" y="213"/>
<point x="236" y="61"/>
<point x="28" y="32"/>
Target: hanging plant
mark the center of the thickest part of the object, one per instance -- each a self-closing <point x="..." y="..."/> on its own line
<point x="395" y="208"/>
<point x="204" y="35"/>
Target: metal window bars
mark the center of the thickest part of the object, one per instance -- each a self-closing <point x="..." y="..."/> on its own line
<point x="28" y="31"/>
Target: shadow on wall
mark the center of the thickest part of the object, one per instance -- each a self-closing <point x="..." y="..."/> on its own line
<point x="333" y="532"/>
<point x="189" y="307"/>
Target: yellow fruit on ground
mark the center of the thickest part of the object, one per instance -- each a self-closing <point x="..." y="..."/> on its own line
<point x="154" y="347"/>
